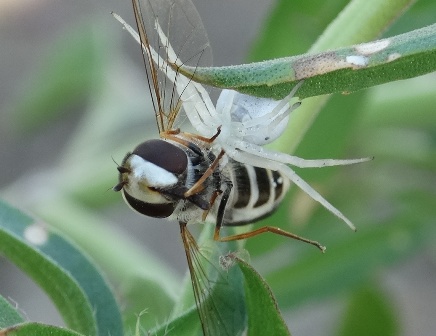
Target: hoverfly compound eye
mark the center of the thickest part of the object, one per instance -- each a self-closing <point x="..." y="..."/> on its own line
<point x="158" y="210"/>
<point x="146" y="175"/>
<point x="163" y="154"/>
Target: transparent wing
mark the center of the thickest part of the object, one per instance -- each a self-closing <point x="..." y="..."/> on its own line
<point x="169" y="27"/>
<point x="218" y="290"/>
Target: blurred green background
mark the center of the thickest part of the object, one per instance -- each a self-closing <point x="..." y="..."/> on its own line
<point x="73" y="96"/>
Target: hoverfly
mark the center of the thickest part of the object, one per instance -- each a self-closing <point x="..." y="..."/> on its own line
<point x="221" y="173"/>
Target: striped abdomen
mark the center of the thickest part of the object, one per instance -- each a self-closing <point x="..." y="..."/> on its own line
<point x="256" y="193"/>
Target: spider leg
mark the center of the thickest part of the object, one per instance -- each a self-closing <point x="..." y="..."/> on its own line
<point x="291" y="159"/>
<point x="206" y="99"/>
<point x="286" y="100"/>
<point x="173" y="58"/>
<point x="196" y="109"/>
<point x="257" y="161"/>
<point x="278" y="113"/>
<point x="270" y="120"/>
<point x="205" y="109"/>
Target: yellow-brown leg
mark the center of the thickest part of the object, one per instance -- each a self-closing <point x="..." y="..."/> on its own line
<point x="198" y="185"/>
<point x="261" y="230"/>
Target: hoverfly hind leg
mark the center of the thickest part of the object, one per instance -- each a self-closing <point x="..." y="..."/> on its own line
<point x="264" y="229"/>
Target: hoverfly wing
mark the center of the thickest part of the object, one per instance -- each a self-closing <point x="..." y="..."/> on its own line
<point x="171" y="34"/>
<point x="218" y="291"/>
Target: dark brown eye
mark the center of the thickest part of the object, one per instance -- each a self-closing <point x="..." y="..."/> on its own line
<point x="163" y="154"/>
<point x="160" y="210"/>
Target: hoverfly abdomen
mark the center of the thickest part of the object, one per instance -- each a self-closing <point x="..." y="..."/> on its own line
<point x="256" y="193"/>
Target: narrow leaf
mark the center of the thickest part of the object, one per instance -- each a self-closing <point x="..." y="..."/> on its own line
<point x="37" y="329"/>
<point x="342" y="70"/>
<point x="67" y="276"/>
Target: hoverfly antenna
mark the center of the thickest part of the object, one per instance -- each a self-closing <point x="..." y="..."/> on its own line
<point x="119" y="186"/>
<point x="114" y="161"/>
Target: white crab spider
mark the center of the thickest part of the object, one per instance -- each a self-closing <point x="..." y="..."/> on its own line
<point x="246" y="123"/>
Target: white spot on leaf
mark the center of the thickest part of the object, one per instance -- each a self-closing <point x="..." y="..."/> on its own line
<point x="36" y="234"/>
<point x="357" y="60"/>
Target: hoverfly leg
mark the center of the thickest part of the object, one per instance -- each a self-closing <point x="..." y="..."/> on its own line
<point x="172" y="135"/>
<point x="202" y="138"/>
<point x="211" y="203"/>
<point x="218" y="132"/>
<point x="261" y="230"/>
<point x="222" y="209"/>
<point x="170" y="132"/>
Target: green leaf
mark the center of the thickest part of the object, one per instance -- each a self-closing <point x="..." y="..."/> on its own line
<point x="187" y="324"/>
<point x="342" y="70"/>
<point x="144" y="281"/>
<point x="369" y="313"/>
<point x="37" y="329"/>
<point x="264" y="317"/>
<point x="77" y="289"/>
<point x="8" y="314"/>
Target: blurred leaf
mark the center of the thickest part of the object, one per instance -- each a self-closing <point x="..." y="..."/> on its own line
<point x="420" y="14"/>
<point x="69" y="72"/>
<point x="392" y="105"/>
<point x="145" y="282"/>
<point x="369" y="313"/>
<point x="67" y="276"/>
<point x="300" y="21"/>
<point x="8" y="314"/>
<point x="37" y="329"/>
<point x="351" y="259"/>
